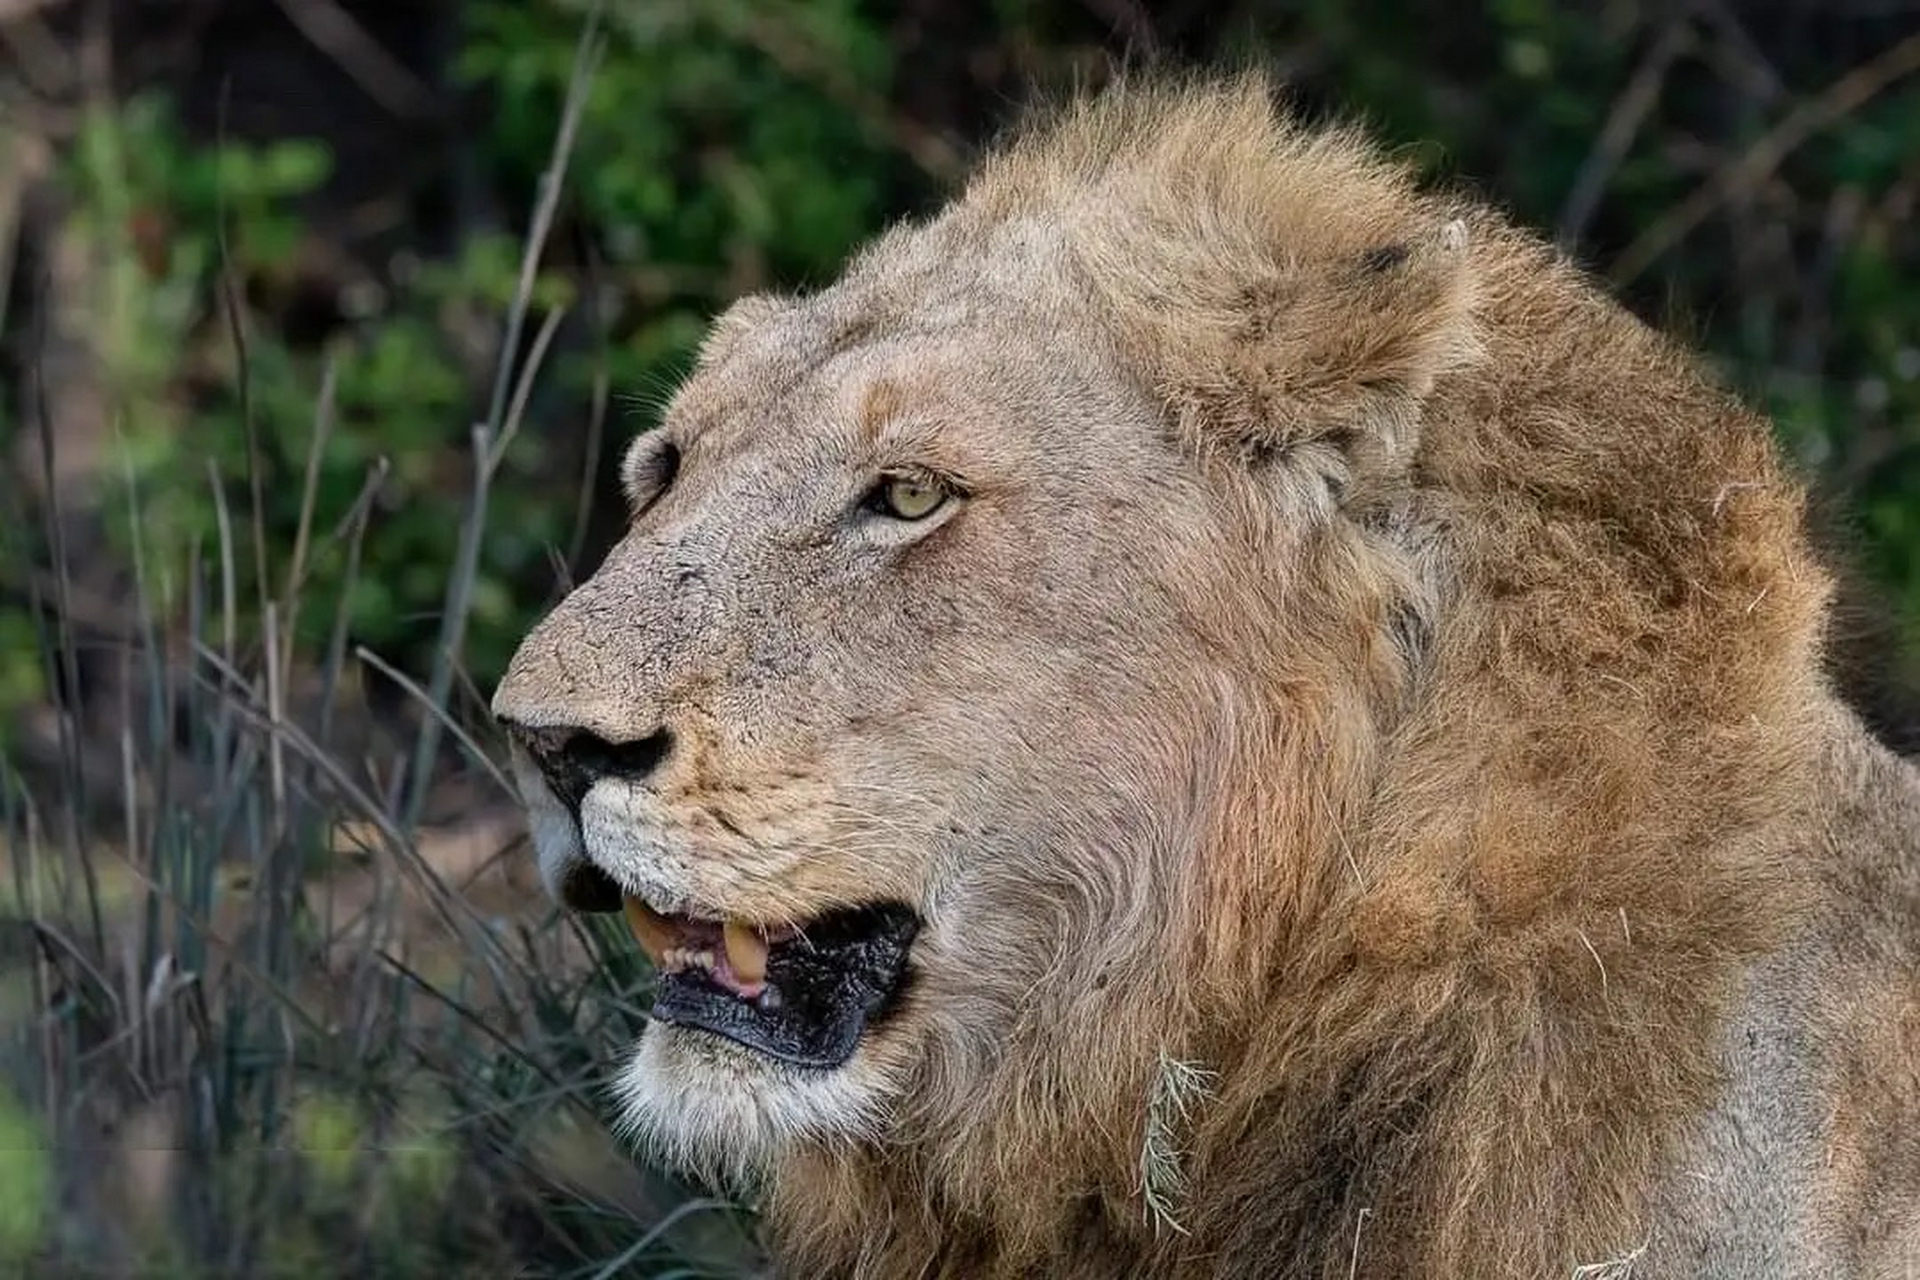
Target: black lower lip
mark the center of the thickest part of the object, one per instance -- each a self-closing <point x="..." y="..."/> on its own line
<point x="823" y="990"/>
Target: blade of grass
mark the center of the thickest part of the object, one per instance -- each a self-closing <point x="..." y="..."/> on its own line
<point x="413" y="690"/>
<point x="323" y="420"/>
<point x="523" y="387"/>
<point x="583" y="499"/>
<point x="633" y="1253"/>
<point x="354" y="527"/>
<point x="233" y="313"/>
<point x="419" y="872"/>
<point x="66" y="656"/>
<point x="467" y="556"/>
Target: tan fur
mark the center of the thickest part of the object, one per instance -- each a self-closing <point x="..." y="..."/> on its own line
<point x="1360" y="747"/>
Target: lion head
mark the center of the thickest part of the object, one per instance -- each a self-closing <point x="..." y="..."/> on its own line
<point x="1197" y="668"/>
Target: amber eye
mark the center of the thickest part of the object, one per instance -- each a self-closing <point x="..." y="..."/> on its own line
<point x="908" y="497"/>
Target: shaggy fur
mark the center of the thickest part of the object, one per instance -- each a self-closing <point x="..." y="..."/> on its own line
<point x="1357" y="738"/>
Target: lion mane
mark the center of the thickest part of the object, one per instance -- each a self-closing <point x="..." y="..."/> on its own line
<point x="1550" y="916"/>
<point x="1458" y="1011"/>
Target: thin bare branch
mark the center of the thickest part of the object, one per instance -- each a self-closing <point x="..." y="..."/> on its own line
<point x="1757" y="163"/>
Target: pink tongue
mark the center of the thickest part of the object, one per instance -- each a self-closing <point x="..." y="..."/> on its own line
<point x="734" y="946"/>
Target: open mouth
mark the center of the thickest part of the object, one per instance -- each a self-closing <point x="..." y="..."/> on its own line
<point x="804" y="995"/>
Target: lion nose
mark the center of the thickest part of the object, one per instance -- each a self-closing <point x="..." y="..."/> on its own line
<point x="572" y="760"/>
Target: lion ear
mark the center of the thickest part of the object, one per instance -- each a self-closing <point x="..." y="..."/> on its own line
<point x="1330" y="362"/>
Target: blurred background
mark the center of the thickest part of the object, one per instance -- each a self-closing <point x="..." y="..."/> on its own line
<point x="322" y="323"/>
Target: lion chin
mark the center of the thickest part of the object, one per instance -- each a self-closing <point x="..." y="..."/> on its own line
<point x="1209" y="711"/>
<point x="720" y="1112"/>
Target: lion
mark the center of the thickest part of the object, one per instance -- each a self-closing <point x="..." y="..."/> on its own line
<point x="1211" y="709"/>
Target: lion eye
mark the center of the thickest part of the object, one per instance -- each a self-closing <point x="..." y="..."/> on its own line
<point x="909" y="498"/>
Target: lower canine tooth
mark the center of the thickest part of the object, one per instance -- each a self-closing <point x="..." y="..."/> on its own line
<point x="746" y="952"/>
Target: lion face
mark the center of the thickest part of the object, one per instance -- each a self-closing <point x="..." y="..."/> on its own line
<point x="846" y="720"/>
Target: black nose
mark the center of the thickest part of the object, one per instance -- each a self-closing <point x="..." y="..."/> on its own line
<point x="572" y="760"/>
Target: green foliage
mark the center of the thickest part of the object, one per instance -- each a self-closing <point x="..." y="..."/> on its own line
<point x="26" y="1184"/>
<point x="723" y="148"/>
<point x="22" y="667"/>
<point x="697" y="174"/>
<point x="153" y="207"/>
